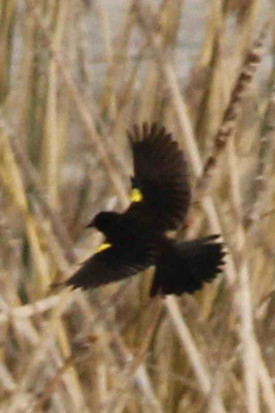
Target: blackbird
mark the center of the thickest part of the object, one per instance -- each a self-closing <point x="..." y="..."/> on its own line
<point x="137" y="238"/>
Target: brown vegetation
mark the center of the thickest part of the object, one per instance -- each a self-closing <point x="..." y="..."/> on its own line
<point x="74" y="75"/>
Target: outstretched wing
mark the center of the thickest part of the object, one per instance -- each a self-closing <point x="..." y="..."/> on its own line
<point x="160" y="184"/>
<point x="112" y="263"/>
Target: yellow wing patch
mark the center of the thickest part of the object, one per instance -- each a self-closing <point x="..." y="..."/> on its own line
<point x="103" y="247"/>
<point x="136" y="195"/>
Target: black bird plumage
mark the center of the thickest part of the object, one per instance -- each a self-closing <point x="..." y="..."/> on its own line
<point x="136" y="239"/>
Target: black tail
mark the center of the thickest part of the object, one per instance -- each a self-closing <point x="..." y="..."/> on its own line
<point x="185" y="266"/>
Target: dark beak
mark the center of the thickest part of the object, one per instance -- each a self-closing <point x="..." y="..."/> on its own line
<point x="91" y="224"/>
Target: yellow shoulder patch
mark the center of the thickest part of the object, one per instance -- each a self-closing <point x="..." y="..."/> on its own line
<point x="136" y="195"/>
<point x="103" y="247"/>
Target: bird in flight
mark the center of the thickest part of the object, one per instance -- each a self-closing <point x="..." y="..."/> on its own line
<point x="137" y="238"/>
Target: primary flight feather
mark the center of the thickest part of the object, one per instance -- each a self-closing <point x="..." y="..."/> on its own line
<point x="136" y="239"/>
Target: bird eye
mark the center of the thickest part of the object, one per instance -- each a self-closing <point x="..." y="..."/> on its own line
<point x="103" y="247"/>
<point x="136" y="195"/>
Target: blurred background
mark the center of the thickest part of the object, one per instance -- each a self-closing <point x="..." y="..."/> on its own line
<point x="74" y="75"/>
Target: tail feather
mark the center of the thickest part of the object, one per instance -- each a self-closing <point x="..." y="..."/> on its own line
<point x="186" y="266"/>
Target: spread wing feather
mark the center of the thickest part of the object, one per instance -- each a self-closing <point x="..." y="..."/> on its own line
<point x="112" y="264"/>
<point x="160" y="173"/>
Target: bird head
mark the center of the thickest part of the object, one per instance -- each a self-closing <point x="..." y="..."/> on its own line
<point x="104" y="221"/>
